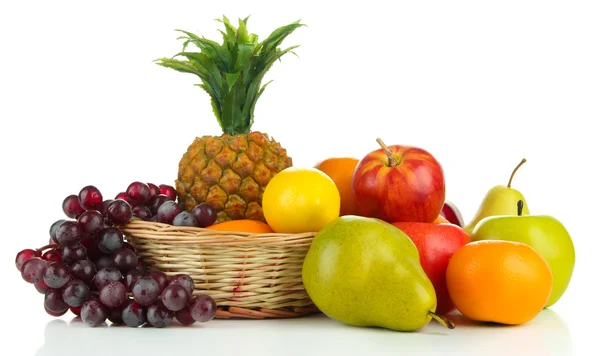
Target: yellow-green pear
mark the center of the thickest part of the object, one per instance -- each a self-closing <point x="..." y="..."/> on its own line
<point x="366" y="272"/>
<point x="500" y="200"/>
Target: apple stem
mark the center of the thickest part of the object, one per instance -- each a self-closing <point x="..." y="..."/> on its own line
<point x="515" y="171"/>
<point x="392" y="160"/>
<point x="520" y="208"/>
<point x="442" y="320"/>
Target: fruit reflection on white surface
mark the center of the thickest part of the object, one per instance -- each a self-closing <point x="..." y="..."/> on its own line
<point x="547" y="334"/>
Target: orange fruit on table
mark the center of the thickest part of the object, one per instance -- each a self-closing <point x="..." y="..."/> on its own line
<point x="340" y="170"/>
<point x="242" y="225"/>
<point x="499" y="281"/>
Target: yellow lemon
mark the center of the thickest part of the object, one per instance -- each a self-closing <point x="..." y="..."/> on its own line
<point x="300" y="200"/>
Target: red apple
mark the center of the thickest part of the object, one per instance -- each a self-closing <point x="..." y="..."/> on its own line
<point x="436" y="244"/>
<point x="451" y="213"/>
<point x="399" y="183"/>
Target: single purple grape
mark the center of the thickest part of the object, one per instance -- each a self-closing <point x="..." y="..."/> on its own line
<point x="168" y="211"/>
<point x="72" y="253"/>
<point x="175" y="297"/>
<point x="93" y="313"/>
<point x="91" y="222"/>
<point x="184" y="316"/>
<point x="53" y="301"/>
<point x="154" y="190"/>
<point x="119" y="212"/>
<point x="33" y="270"/>
<point x="143" y="212"/>
<point x="76" y="293"/>
<point x="83" y="270"/>
<point x="138" y="193"/>
<point x="56" y="275"/>
<point x="203" y="308"/>
<point x="90" y="198"/>
<point x="69" y="233"/>
<point x="145" y="291"/>
<point x="185" y="218"/>
<point x="110" y="239"/>
<point x="205" y="214"/>
<point x="71" y="207"/>
<point x="159" y="316"/>
<point x="125" y="259"/>
<point x="53" y="229"/>
<point x="113" y="294"/>
<point x="133" y="314"/>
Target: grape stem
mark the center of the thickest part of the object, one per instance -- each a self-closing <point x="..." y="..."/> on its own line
<point x="52" y="246"/>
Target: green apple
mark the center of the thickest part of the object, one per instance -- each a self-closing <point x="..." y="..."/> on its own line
<point x="543" y="233"/>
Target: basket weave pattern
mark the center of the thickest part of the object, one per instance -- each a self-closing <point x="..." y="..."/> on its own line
<point x="248" y="275"/>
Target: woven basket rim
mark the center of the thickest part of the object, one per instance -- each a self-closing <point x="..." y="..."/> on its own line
<point x="165" y="233"/>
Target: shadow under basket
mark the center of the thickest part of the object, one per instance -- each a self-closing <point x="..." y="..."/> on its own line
<point x="250" y="276"/>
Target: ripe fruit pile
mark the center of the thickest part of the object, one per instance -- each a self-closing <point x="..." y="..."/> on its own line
<point x="504" y="266"/>
<point x="383" y="220"/>
<point x="89" y="268"/>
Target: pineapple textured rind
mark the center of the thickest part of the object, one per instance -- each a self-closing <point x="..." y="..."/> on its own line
<point x="230" y="173"/>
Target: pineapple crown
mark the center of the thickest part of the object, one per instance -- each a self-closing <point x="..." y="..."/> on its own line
<point x="231" y="72"/>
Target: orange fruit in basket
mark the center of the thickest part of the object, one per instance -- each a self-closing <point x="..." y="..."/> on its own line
<point x="499" y="281"/>
<point x="242" y="225"/>
<point x="340" y="170"/>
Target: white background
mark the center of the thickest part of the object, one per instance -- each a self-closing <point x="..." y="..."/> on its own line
<point x="480" y="84"/>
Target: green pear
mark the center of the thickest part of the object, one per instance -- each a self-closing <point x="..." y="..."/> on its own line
<point x="543" y="233"/>
<point x="366" y="272"/>
<point x="499" y="200"/>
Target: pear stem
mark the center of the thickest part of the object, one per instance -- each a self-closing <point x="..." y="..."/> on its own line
<point x="442" y="320"/>
<point x="520" y="207"/>
<point x="393" y="162"/>
<point x="515" y="171"/>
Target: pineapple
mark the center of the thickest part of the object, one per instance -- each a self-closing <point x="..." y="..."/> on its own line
<point x="230" y="171"/>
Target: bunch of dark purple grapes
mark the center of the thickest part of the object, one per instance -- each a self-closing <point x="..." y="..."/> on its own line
<point x="90" y="269"/>
<point x="159" y="204"/>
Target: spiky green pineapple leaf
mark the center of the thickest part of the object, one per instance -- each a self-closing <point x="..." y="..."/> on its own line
<point x="276" y="38"/>
<point x="232" y="72"/>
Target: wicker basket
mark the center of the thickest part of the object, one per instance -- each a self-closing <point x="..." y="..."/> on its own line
<point x="250" y="276"/>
